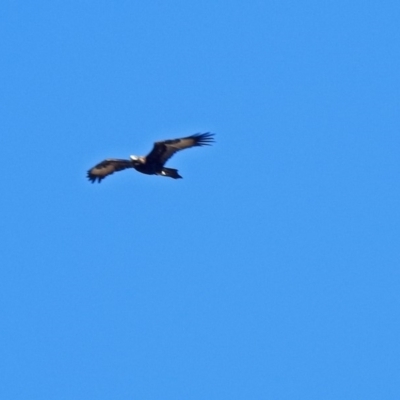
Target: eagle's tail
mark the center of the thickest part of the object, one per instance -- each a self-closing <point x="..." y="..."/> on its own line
<point x="172" y="173"/>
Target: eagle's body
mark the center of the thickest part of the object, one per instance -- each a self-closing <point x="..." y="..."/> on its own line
<point x="153" y="163"/>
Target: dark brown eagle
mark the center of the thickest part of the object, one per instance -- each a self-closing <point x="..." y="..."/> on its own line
<point x="153" y="163"/>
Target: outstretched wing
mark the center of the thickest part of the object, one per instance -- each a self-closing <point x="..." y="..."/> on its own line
<point x="107" y="167"/>
<point x="164" y="150"/>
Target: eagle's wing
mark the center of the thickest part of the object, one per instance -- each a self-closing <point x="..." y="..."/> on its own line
<point x="107" y="167"/>
<point x="164" y="150"/>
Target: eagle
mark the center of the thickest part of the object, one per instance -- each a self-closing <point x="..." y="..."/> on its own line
<point x="153" y="163"/>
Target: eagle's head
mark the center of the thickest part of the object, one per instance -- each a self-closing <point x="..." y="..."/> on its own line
<point x="137" y="160"/>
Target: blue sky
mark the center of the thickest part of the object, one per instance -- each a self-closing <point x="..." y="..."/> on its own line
<point x="271" y="271"/>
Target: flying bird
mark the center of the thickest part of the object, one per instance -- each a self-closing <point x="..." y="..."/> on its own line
<point x="153" y="163"/>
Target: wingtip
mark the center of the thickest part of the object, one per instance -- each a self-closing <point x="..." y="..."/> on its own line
<point x="204" y="139"/>
<point x="92" y="178"/>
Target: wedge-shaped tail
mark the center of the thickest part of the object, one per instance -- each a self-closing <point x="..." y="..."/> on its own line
<point x="172" y="173"/>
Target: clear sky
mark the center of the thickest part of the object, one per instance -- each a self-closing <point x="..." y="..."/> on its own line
<point x="271" y="271"/>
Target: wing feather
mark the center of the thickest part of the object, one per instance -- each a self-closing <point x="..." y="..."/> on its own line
<point x="164" y="150"/>
<point x="107" y="167"/>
